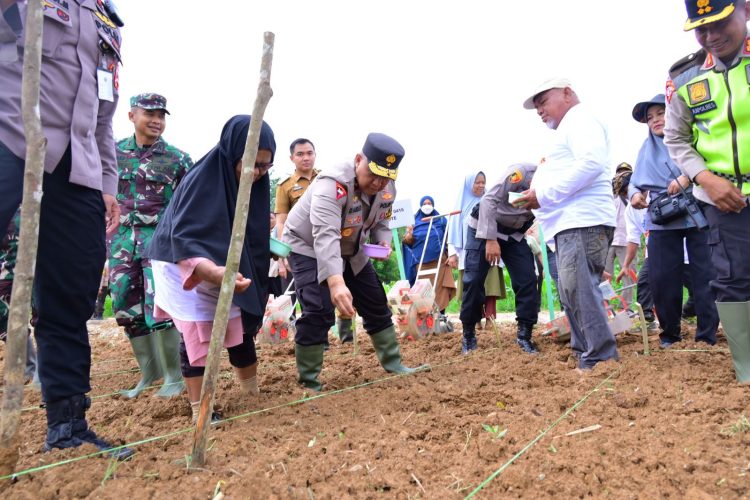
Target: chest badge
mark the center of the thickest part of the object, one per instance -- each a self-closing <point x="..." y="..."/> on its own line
<point x="699" y="92"/>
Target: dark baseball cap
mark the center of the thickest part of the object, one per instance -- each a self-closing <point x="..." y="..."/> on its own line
<point x="702" y="12"/>
<point x="641" y="109"/>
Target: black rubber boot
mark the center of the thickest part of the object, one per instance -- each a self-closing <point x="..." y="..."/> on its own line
<point x="345" y="327"/>
<point x="67" y="428"/>
<point x="523" y="338"/>
<point x="469" y="340"/>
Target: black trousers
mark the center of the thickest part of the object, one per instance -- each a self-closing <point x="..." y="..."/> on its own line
<point x="666" y="266"/>
<point x="729" y="240"/>
<point x="644" y="296"/>
<point x="519" y="261"/>
<point x="317" y="316"/>
<point x="69" y="263"/>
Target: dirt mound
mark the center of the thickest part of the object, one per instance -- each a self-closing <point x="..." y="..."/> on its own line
<point x="499" y="422"/>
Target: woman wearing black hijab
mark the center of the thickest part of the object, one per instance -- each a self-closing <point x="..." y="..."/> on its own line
<point x="189" y="251"/>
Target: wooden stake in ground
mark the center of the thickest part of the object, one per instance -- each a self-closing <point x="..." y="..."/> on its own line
<point x="233" y="257"/>
<point x="20" y="308"/>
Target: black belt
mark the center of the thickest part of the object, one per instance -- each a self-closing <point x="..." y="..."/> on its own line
<point x="745" y="177"/>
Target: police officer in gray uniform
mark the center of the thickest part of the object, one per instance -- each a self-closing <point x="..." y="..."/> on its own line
<point x="80" y="60"/>
<point x="344" y="208"/>
<point x="497" y="229"/>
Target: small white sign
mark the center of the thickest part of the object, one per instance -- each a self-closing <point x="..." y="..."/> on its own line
<point x="402" y="214"/>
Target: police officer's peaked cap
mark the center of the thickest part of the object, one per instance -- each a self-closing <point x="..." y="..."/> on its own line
<point x="384" y="154"/>
<point x="640" y="110"/>
<point x="149" y="101"/>
<point x="702" y="12"/>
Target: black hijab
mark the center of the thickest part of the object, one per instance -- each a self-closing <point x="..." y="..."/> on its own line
<point x="198" y="220"/>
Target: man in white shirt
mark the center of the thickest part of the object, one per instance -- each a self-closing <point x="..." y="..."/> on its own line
<point x="571" y="196"/>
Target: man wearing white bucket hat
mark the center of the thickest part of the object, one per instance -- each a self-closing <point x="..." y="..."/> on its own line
<point x="571" y="195"/>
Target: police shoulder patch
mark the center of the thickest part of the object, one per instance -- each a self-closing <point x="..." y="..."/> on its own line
<point x="515" y="177"/>
<point x="686" y="63"/>
<point x="340" y="191"/>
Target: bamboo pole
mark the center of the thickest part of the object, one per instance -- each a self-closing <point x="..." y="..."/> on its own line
<point x="221" y="318"/>
<point x="20" y="308"/>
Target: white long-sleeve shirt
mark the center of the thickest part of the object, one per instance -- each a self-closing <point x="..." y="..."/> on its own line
<point x="635" y="224"/>
<point x="574" y="184"/>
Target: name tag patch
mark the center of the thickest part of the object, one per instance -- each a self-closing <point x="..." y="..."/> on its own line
<point x="703" y="108"/>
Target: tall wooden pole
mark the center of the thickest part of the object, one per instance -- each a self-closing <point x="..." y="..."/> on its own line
<point x="221" y="318"/>
<point x="20" y="308"/>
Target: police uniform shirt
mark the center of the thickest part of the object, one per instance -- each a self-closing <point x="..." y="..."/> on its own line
<point x="334" y="218"/>
<point x="290" y="191"/>
<point x="495" y="209"/>
<point x="78" y="41"/>
<point x="679" y="119"/>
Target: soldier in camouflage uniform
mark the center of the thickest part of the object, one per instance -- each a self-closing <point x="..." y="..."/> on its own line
<point x="8" y="252"/>
<point x="149" y="170"/>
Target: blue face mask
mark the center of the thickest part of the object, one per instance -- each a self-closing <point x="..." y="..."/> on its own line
<point x="426" y="209"/>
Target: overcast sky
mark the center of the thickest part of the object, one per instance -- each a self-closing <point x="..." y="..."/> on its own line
<point x="446" y="79"/>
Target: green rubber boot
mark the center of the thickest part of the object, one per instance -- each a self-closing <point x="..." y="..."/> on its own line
<point x="389" y="354"/>
<point x="735" y="318"/>
<point x="309" y="364"/>
<point x="145" y="352"/>
<point x="168" y="342"/>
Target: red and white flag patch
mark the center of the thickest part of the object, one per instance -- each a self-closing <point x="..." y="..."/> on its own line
<point x="340" y="191"/>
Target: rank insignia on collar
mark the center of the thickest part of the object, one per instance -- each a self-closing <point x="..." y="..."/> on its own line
<point x="746" y="50"/>
<point x="699" y="92"/>
<point x="709" y="62"/>
<point x="340" y="191"/>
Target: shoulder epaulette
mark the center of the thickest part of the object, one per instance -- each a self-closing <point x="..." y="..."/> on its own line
<point x="282" y="182"/>
<point x="686" y="63"/>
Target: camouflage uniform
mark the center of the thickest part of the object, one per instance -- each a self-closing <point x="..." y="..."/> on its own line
<point x="8" y="251"/>
<point x="147" y="180"/>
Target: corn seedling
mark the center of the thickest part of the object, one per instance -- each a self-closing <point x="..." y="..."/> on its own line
<point x="111" y="470"/>
<point x="742" y="425"/>
<point x="217" y="489"/>
<point x="495" y="430"/>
